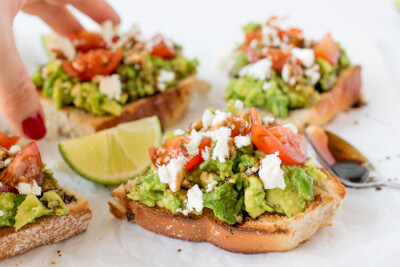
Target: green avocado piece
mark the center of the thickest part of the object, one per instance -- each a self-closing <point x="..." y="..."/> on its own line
<point x="30" y="209"/>
<point x="54" y="202"/>
<point x="251" y="27"/>
<point x="148" y="189"/>
<point x="285" y="201"/>
<point x="254" y="198"/>
<point x="171" y="201"/>
<point x="240" y="61"/>
<point x="58" y="94"/>
<point x="225" y="202"/>
<point x="9" y="203"/>
<point x="112" y="107"/>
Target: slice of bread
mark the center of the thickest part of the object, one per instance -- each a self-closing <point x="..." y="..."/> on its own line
<point x="47" y="229"/>
<point x="344" y="94"/>
<point x="169" y="106"/>
<point x="269" y="232"/>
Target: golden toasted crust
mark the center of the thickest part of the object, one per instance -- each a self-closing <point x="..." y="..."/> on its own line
<point x="344" y="94"/>
<point x="267" y="233"/>
<point x="169" y="106"/>
<point x="47" y="229"/>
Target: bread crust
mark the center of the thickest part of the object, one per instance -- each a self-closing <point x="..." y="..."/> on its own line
<point x="169" y="106"/>
<point x="267" y="233"/>
<point x="47" y="229"/>
<point x="345" y="93"/>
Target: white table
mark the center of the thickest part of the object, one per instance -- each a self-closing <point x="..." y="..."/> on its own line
<point x="365" y="231"/>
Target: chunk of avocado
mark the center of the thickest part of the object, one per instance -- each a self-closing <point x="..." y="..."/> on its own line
<point x="225" y="202"/>
<point x="30" y="209"/>
<point x="9" y="203"/>
<point x="148" y="190"/>
<point x="285" y="201"/>
<point x="254" y="198"/>
<point x="171" y="201"/>
<point x="54" y="202"/>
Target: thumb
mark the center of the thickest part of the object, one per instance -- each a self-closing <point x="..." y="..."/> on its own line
<point x="19" y="101"/>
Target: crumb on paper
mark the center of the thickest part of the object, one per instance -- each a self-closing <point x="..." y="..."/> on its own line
<point x="179" y="250"/>
<point x="100" y="238"/>
<point x="53" y="262"/>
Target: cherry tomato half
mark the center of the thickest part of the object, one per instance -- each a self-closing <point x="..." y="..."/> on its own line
<point x="327" y="49"/>
<point x="161" y="48"/>
<point x="85" y="41"/>
<point x="278" y="58"/>
<point x="8" y="141"/>
<point x="256" y="34"/>
<point x="95" y="62"/>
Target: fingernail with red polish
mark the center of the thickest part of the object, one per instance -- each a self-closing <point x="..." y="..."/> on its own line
<point x="34" y="127"/>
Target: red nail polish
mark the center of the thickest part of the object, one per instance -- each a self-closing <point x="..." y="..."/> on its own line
<point x="34" y="127"/>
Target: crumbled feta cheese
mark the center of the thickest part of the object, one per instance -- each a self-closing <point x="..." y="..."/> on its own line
<point x="211" y="186"/>
<point x="207" y="118"/>
<point x="271" y="173"/>
<point x="292" y="127"/>
<point x="1" y="213"/>
<point x="164" y="77"/>
<point x="64" y="46"/>
<point x="1" y="184"/>
<point x="195" y="199"/>
<point x="7" y="162"/>
<point x="239" y="104"/>
<point x="254" y="43"/>
<point x="219" y="117"/>
<point x="259" y="70"/>
<point x="171" y="173"/>
<point x="14" y="150"/>
<point x="25" y="188"/>
<point x="270" y="36"/>
<point x="221" y="136"/>
<point x="285" y="73"/>
<point x="178" y="132"/>
<point x="305" y="55"/>
<point x="224" y="59"/>
<point x="313" y="73"/>
<point x="241" y="141"/>
<point x="268" y="120"/>
<point x="205" y="153"/>
<point x="193" y="146"/>
<point x="280" y="22"/>
<point x="266" y="86"/>
<point x="110" y="86"/>
<point x="133" y="33"/>
<point x="108" y="32"/>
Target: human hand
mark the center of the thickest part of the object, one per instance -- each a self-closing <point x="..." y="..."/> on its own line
<point x="19" y="101"/>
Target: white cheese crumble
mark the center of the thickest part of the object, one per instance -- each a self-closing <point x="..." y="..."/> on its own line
<point x="221" y="136"/>
<point x="169" y="173"/>
<point x="211" y="186"/>
<point x="64" y="46"/>
<point x="14" y="150"/>
<point x="193" y="146"/>
<point x="305" y="55"/>
<point x="270" y="36"/>
<point x="1" y="213"/>
<point x="292" y="127"/>
<point x="268" y="120"/>
<point x="25" y="188"/>
<point x="163" y="77"/>
<point x="195" y="199"/>
<point x="7" y="162"/>
<point x="241" y="141"/>
<point x="205" y="153"/>
<point x="313" y="73"/>
<point x="239" y="104"/>
<point x="108" y="32"/>
<point x="259" y="70"/>
<point x="207" y="118"/>
<point x="266" y="86"/>
<point x="219" y="116"/>
<point x="271" y="173"/>
<point x="224" y="59"/>
<point x="110" y="86"/>
<point x="133" y="33"/>
<point x="285" y="73"/>
<point x="178" y="132"/>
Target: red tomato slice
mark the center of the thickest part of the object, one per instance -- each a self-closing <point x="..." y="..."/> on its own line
<point x="256" y="34"/>
<point x="161" y="49"/>
<point x="249" y="52"/>
<point x="8" y="141"/>
<point x="95" y="62"/>
<point x="327" y="49"/>
<point x="27" y="162"/>
<point x="171" y="149"/>
<point x="240" y="125"/>
<point x="292" y="148"/>
<point x="85" y="41"/>
<point x="278" y="58"/>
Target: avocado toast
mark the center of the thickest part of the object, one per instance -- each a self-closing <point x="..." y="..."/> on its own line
<point x="95" y="81"/>
<point x="235" y="182"/>
<point x="292" y="78"/>
<point x="34" y="209"/>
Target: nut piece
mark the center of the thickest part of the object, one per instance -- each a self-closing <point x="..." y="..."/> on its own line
<point x="136" y="55"/>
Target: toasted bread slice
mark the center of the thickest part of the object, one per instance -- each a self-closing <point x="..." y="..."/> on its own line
<point x="267" y="233"/>
<point x="47" y="229"/>
<point x="344" y="94"/>
<point x="169" y="106"/>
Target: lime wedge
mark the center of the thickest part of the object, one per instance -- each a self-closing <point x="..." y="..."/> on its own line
<point x="47" y="40"/>
<point x="114" y="155"/>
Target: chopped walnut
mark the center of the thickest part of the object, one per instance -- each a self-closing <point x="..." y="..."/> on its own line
<point x="252" y="170"/>
<point x="136" y="55"/>
<point x="186" y="184"/>
<point x="196" y="125"/>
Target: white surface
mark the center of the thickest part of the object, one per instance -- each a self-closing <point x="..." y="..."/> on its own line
<point x="365" y="231"/>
